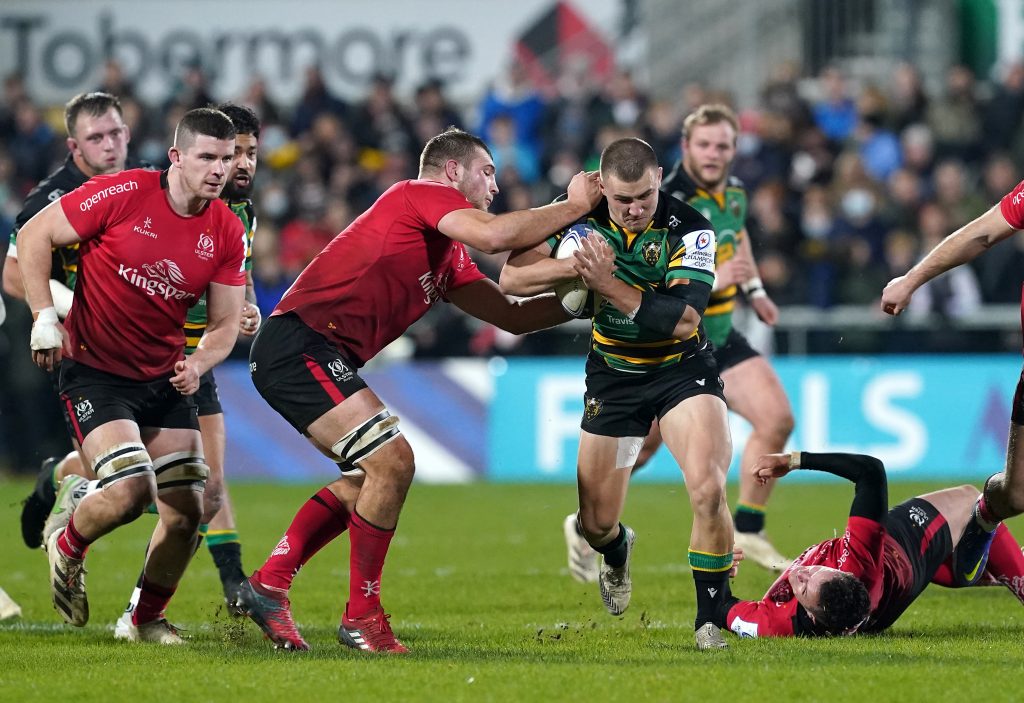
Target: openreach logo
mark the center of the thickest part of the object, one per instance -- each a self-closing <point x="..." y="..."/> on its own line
<point x="162" y="278"/>
<point x="96" y="197"/>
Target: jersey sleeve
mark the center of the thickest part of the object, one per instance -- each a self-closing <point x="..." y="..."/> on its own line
<point x="1012" y="206"/>
<point x="762" y="618"/>
<point x="693" y="258"/>
<point x="463" y="269"/>
<point x="432" y="201"/>
<point x="231" y="271"/>
<point x="96" y="204"/>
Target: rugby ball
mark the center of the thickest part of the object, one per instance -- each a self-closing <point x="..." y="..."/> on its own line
<point x="577" y="300"/>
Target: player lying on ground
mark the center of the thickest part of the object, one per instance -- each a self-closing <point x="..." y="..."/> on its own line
<point x="864" y="580"/>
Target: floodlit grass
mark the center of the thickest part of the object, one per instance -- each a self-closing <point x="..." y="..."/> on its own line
<point x="477" y="586"/>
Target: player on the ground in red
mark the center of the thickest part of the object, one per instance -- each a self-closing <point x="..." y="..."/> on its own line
<point x="377" y="277"/>
<point x="864" y="580"/>
<point x="151" y="244"/>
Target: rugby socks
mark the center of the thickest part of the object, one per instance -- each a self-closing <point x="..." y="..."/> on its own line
<point x="369" y="547"/>
<point x="319" y="520"/>
<point x="711" y="579"/>
<point x="615" y="551"/>
<point x="153" y="600"/>
<point x="71" y="542"/>
<point x="749" y="517"/>
<point x="226" y="550"/>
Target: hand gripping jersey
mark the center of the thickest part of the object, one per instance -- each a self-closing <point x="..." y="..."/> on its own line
<point x="677" y="244"/>
<point x="384" y="271"/>
<point x="195" y="323"/>
<point x="728" y="215"/>
<point x="142" y="266"/>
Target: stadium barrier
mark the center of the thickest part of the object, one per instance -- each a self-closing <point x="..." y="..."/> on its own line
<point x="512" y="420"/>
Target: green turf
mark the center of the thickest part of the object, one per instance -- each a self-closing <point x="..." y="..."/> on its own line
<point x="477" y="586"/>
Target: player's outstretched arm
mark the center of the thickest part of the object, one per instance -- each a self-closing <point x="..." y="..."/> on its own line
<point x="533" y="271"/>
<point x="964" y="245"/>
<point x="871" y="492"/>
<point x="484" y="300"/>
<point x="523" y="228"/>
<point x="753" y="287"/>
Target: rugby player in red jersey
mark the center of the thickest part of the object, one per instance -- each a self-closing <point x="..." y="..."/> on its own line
<point x="151" y="244"/>
<point x="377" y="277"/>
<point x="1003" y="495"/>
<point x="864" y="580"/>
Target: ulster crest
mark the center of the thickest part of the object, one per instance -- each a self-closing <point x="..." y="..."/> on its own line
<point x="652" y="253"/>
<point x="592" y="408"/>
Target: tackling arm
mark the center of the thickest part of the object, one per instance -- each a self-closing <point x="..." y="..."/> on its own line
<point x="485" y="301"/>
<point x="523" y="228"/>
<point x="534" y="271"/>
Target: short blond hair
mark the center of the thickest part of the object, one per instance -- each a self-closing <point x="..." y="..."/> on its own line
<point x="710" y="113"/>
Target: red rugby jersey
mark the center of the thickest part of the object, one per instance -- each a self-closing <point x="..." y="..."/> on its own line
<point x="384" y="271"/>
<point x="861" y="551"/>
<point x="142" y="266"/>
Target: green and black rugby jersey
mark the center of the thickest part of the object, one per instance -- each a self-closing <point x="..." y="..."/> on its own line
<point x="728" y="215"/>
<point x="64" y="266"/>
<point x="678" y="244"/>
<point x="195" y="321"/>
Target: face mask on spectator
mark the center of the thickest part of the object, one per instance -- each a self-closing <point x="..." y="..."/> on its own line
<point x="816" y="225"/>
<point x="858" y="204"/>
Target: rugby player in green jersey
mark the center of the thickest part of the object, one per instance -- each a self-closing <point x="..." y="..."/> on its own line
<point x="652" y="257"/>
<point x="752" y="389"/>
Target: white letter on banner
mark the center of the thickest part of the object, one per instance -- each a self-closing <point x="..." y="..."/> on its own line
<point x="554" y="424"/>
<point x="910" y="431"/>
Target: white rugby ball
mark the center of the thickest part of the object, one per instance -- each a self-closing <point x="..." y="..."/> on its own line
<point x="577" y="300"/>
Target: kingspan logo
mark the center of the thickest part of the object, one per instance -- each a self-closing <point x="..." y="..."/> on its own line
<point x="162" y="278"/>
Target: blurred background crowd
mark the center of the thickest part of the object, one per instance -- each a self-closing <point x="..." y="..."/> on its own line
<point x="849" y="182"/>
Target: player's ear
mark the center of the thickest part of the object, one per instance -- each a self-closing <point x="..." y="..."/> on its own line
<point x="451" y="170"/>
<point x="174" y="155"/>
<point x="72" y="144"/>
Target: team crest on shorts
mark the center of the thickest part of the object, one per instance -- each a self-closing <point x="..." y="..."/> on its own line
<point x="592" y="408"/>
<point x="652" y="253"/>
<point x="83" y="409"/>
<point x="339" y="370"/>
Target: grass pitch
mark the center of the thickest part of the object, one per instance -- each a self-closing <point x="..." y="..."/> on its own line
<point x="477" y="586"/>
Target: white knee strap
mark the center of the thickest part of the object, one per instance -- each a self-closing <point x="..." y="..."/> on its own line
<point x="367" y="438"/>
<point x="181" y="470"/>
<point x="120" y="462"/>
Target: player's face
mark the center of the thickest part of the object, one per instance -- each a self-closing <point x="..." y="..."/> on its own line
<point x="243" y="168"/>
<point x="806" y="582"/>
<point x="100" y="142"/>
<point x="204" y="165"/>
<point x="632" y="205"/>
<point x="708" y="153"/>
<point x="477" y="180"/>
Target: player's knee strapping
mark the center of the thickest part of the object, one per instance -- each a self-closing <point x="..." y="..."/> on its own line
<point x="181" y="470"/>
<point x="366" y="439"/>
<point x="122" y="461"/>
